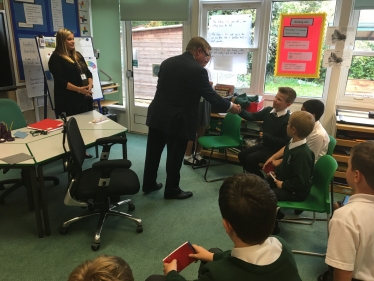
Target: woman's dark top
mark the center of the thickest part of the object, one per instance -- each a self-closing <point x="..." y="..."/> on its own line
<point x="63" y="71"/>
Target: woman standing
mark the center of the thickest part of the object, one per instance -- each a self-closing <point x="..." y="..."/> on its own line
<point x="72" y="78"/>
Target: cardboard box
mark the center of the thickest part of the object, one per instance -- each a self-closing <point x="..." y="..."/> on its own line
<point x="256" y="106"/>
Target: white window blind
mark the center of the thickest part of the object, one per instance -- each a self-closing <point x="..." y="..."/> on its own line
<point x="156" y="10"/>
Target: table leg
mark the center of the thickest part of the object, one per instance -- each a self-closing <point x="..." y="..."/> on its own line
<point x="34" y="187"/>
<point x="124" y="148"/>
<point x="44" y="203"/>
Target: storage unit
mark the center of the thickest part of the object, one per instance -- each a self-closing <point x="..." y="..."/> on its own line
<point x="107" y="90"/>
<point x="347" y="136"/>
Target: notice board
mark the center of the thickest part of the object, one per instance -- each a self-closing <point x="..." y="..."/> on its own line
<point x="299" y="46"/>
<point x="30" y="18"/>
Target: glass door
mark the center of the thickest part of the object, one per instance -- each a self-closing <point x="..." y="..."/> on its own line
<point x="148" y="43"/>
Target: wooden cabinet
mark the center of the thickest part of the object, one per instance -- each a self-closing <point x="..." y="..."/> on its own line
<point x="347" y="136"/>
<point x="107" y="90"/>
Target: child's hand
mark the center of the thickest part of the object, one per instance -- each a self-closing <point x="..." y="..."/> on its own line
<point x="201" y="254"/>
<point x="276" y="163"/>
<point x="278" y="183"/>
<point x="267" y="162"/>
<point x="170" y="266"/>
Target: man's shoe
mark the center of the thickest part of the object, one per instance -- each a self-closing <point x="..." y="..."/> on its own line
<point x="180" y="195"/>
<point x="200" y="159"/>
<point x="156" y="187"/>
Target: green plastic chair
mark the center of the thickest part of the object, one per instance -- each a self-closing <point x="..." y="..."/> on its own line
<point x="318" y="200"/>
<point x="11" y="113"/>
<point x="330" y="151"/>
<point x="230" y="137"/>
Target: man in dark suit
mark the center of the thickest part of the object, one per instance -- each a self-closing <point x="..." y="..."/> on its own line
<point x="172" y="115"/>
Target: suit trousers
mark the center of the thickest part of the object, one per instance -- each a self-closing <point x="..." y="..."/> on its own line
<point x="251" y="157"/>
<point x="176" y="148"/>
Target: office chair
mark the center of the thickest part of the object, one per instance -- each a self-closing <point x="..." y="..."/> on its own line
<point x="96" y="187"/>
<point x="230" y="137"/>
<point x="318" y="200"/>
<point x="11" y="113"/>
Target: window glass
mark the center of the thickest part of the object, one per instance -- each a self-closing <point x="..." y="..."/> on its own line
<point x="305" y="87"/>
<point x="360" y="81"/>
<point x="231" y="33"/>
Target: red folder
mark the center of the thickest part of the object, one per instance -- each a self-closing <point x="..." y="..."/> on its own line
<point x="269" y="167"/>
<point x="181" y="255"/>
<point x="47" y="125"/>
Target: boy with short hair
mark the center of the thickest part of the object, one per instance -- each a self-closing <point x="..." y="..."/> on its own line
<point x="350" y="249"/>
<point x="274" y="134"/>
<point x="293" y="178"/>
<point x="318" y="140"/>
<point x="248" y="209"/>
<point x="108" y="268"/>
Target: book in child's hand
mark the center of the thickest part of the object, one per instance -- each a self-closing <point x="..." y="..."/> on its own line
<point x="181" y="255"/>
<point x="269" y="167"/>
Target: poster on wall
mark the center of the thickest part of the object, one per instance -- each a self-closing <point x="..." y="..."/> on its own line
<point x="299" y="45"/>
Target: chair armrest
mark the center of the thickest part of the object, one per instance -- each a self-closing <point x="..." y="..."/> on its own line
<point x="111" y="140"/>
<point x="111" y="164"/>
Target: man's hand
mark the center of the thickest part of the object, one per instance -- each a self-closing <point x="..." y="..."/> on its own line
<point x="235" y="109"/>
<point x="201" y="254"/>
<point x="170" y="266"/>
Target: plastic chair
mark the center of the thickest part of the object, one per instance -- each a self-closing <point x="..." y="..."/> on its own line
<point x="230" y="137"/>
<point x="330" y="151"/>
<point x="99" y="187"/>
<point x="12" y="115"/>
<point x="318" y="200"/>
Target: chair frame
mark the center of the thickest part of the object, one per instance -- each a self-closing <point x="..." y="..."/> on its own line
<point x="211" y="154"/>
<point x="304" y="220"/>
<point x="105" y="207"/>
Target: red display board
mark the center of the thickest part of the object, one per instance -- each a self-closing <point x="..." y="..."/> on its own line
<point x="299" y="45"/>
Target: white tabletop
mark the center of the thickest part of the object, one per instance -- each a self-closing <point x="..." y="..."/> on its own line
<point x="13" y="148"/>
<point x="84" y="121"/>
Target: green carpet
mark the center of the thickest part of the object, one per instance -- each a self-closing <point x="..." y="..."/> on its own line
<point x="166" y="223"/>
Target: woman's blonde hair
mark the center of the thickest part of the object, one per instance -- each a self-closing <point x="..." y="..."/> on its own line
<point x="61" y="48"/>
<point x="102" y="268"/>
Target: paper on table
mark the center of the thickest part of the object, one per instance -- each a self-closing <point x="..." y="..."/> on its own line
<point x="16" y="158"/>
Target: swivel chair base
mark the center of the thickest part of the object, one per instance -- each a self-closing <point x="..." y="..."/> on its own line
<point x="106" y="210"/>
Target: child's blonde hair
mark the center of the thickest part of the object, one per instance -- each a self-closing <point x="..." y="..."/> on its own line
<point x="303" y="122"/>
<point x="102" y="268"/>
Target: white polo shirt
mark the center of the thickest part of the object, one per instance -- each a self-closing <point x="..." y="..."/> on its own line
<point x="318" y="140"/>
<point x="351" y="241"/>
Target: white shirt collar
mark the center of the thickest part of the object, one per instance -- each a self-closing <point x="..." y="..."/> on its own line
<point x="279" y="113"/>
<point x="264" y="254"/>
<point x="296" y="144"/>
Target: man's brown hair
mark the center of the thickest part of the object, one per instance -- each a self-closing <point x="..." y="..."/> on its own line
<point x="196" y="43"/>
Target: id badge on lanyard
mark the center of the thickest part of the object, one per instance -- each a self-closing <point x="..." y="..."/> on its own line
<point x="83" y="76"/>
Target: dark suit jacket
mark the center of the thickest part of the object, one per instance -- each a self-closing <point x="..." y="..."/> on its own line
<point x="181" y="84"/>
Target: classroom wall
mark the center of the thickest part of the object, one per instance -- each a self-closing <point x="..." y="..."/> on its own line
<point x="106" y="37"/>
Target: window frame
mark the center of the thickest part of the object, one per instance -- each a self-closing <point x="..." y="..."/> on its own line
<point x="342" y="99"/>
<point x="261" y="41"/>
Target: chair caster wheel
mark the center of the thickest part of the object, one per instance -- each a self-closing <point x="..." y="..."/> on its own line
<point x="131" y="207"/>
<point x="139" y="229"/>
<point x="95" y="247"/>
<point x="63" y="230"/>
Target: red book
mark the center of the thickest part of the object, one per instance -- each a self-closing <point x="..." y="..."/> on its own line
<point x="181" y="255"/>
<point x="47" y="125"/>
<point x="269" y="167"/>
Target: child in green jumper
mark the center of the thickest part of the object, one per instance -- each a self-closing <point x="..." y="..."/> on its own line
<point x="293" y="178"/>
<point x="248" y="209"/>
